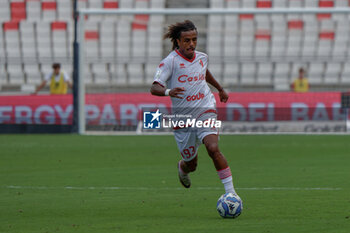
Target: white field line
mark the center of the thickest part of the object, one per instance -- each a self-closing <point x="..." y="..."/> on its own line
<point x="169" y="188"/>
<point x="134" y="133"/>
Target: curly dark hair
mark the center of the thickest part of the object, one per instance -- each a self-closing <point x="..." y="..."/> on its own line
<point x="174" y="31"/>
<point x="56" y="65"/>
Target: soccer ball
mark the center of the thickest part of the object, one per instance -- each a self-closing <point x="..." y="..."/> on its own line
<point x="229" y="205"/>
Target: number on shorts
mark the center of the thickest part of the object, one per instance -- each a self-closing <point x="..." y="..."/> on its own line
<point x="188" y="153"/>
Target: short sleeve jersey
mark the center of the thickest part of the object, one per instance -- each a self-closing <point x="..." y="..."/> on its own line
<point x="178" y="71"/>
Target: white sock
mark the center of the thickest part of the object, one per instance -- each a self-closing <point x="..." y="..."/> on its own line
<point x="228" y="184"/>
<point x="226" y="178"/>
<point x="180" y="169"/>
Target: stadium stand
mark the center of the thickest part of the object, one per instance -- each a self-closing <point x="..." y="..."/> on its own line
<point x="28" y="40"/>
<point x="261" y="51"/>
<point x="31" y="72"/>
<point x="11" y="31"/>
<point x="18" y="10"/>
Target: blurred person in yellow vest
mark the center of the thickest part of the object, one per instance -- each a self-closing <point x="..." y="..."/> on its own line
<point x="59" y="81"/>
<point x="301" y="84"/>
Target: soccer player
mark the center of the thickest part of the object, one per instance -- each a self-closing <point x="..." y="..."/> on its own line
<point x="59" y="81"/>
<point x="301" y="84"/>
<point x="183" y="75"/>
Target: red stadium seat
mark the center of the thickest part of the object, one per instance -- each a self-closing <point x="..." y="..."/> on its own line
<point x="58" y="25"/>
<point x="91" y="35"/>
<point x="49" y="10"/>
<point x="110" y="4"/>
<point x="326" y="3"/>
<point x="59" y="39"/>
<point x="11" y="25"/>
<point x="296" y="24"/>
<point x="139" y="26"/>
<point x="48" y="6"/>
<point x="323" y="16"/>
<point x="18" y="11"/>
<point x="246" y="16"/>
<point x="42" y="30"/>
<point x="263" y="4"/>
<point x="140" y="22"/>
<point x="12" y="36"/>
<point x="262" y="35"/>
<point x="322" y="4"/>
<point x="326" y="35"/>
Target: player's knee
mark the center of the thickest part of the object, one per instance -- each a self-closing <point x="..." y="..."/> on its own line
<point x="213" y="149"/>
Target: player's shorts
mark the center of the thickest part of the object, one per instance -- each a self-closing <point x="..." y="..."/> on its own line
<point x="189" y="139"/>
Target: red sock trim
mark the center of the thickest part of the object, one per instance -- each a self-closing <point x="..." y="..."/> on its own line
<point x="224" y="173"/>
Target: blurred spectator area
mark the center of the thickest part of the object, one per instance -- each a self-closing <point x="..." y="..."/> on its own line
<point x="246" y="51"/>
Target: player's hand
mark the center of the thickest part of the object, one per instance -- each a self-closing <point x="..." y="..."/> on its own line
<point x="175" y="92"/>
<point x="223" y="96"/>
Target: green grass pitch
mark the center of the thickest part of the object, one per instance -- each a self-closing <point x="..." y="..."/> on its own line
<point x="98" y="184"/>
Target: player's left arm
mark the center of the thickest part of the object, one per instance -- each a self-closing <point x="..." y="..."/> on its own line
<point x="222" y="93"/>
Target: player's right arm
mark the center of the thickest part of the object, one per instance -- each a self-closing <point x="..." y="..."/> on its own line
<point x="161" y="77"/>
<point x="159" y="90"/>
<point x="43" y="83"/>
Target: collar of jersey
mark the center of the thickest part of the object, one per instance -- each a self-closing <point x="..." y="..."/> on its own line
<point x="194" y="57"/>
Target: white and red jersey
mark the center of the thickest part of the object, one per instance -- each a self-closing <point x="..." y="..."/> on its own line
<point x="178" y="71"/>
